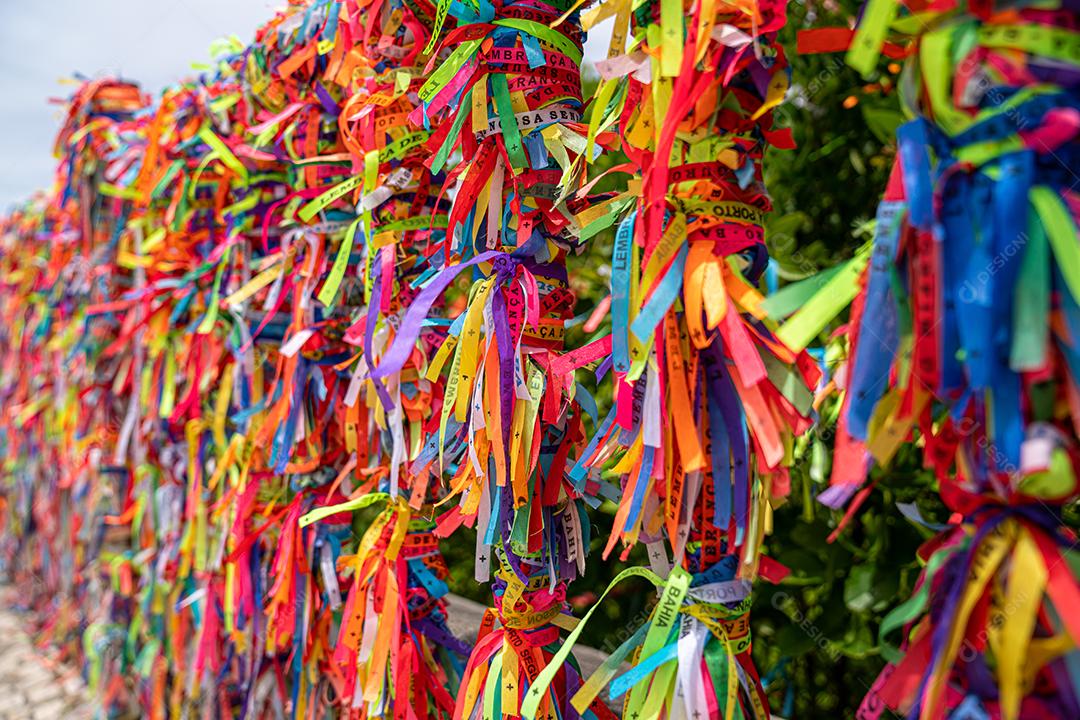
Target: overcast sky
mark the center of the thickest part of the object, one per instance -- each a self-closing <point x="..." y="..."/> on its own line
<point x="42" y="42"/>
<point x="153" y="42"/>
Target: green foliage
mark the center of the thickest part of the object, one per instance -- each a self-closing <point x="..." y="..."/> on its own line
<point x="822" y="621"/>
<point x="843" y="129"/>
<point x="816" y="634"/>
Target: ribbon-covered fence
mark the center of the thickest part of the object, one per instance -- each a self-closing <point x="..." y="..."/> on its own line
<point x="280" y="331"/>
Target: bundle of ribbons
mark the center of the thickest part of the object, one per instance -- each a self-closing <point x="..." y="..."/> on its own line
<point x="963" y="338"/>
<point x="279" y="332"/>
<point x="707" y="399"/>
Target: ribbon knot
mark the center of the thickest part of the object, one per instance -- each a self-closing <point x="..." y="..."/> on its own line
<point x="505" y="268"/>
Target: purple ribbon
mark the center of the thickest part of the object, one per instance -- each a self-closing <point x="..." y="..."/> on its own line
<point x="411" y="324"/>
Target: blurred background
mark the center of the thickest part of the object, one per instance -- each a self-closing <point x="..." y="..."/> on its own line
<point x="153" y="42"/>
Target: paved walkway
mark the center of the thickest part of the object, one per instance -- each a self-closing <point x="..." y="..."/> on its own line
<point x="32" y="687"/>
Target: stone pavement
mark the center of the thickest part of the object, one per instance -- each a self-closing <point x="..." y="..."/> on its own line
<point x="32" y="687"/>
